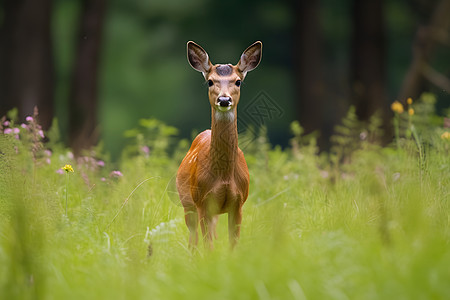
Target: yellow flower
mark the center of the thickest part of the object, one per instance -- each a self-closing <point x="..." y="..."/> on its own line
<point x="411" y="111"/>
<point x="397" y="107"/>
<point x="67" y="168"/>
<point x="409" y="101"/>
<point x="445" y="136"/>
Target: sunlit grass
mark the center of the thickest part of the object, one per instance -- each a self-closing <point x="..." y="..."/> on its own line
<point x="375" y="228"/>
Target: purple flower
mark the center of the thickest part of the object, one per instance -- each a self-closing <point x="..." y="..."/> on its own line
<point x="48" y="152"/>
<point x="60" y="171"/>
<point x="6" y="123"/>
<point x="24" y="126"/>
<point x="103" y="179"/>
<point x="145" y="149"/>
<point x="29" y="119"/>
<point x="16" y="130"/>
<point x="101" y="163"/>
<point x="116" y="174"/>
<point x="7" y="131"/>
<point x="41" y="133"/>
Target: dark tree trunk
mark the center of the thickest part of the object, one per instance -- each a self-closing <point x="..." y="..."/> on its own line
<point x="368" y="73"/>
<point x="26" y="67"/>
<point x="83" y="101"/>
<point x="308" y="67"/>
<point x="424" y="45"/>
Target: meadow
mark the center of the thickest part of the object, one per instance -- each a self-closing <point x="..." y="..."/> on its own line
<point x="364" y="221"/>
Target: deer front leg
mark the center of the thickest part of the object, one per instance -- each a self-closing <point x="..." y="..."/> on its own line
<point x="234" y="225"/>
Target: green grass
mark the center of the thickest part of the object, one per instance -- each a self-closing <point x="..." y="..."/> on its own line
<point x="376" y="227"/>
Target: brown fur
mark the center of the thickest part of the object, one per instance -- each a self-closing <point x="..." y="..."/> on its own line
<point x="213" y="177"/>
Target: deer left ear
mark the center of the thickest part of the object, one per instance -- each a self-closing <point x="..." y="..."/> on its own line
<point x="250" y="58"/>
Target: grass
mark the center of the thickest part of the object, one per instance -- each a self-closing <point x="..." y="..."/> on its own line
<point x="376" y="227"/>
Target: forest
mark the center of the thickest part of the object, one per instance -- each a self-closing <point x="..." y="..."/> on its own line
<point x="98" y="66"/>
<point x="344" y="126"/>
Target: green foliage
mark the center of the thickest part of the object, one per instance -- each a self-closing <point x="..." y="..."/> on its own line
<point x="347" y="137"/>
<point x="353" y="135"/>
<point x="152" y="137"/>
<point x="374" y="228"/>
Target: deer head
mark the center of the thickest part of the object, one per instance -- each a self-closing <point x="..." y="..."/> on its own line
<point x="224" y="80"/>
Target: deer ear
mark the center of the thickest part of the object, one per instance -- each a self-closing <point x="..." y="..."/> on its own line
<point x="250" y="58"/>
<point x="198" y="58"/>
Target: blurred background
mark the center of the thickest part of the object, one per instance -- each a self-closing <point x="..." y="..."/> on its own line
<point x="99" y="66"/>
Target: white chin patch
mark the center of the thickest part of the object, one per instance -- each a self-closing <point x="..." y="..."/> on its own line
<point x="225" y="115"/>
<point x="223" y="108"/>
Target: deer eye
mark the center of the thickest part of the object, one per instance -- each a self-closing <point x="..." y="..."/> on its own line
<point x="210" y="82"/>
<point x="238" y="83"/>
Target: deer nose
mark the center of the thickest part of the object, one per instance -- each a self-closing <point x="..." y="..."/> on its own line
<point x="224" y="101"/>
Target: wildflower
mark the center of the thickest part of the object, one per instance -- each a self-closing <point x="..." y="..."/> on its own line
<point x="60" y="171"/>
<point x="397" y="107"/>
<point x="409" y="101"/>
<point x="6" y="123"/>
<point x="100" y="163"/>
<point x="24" y="126"/>
<point x="411" y="111"/>
<point x="145" y="150"/>
<point x="8" y="131"/>
<point x="116" y="174"/>
<point x="67" y="168"/>
<point x="29" y="119"/>
<point x="16" y="130"/>
<point x="41" y="133"/>
<point x="446" y="136"/>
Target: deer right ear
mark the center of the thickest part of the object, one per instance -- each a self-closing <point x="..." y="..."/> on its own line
<point x="198" y="58"/>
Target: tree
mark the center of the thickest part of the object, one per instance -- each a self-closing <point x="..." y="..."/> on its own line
<point x="426" y="41"/>
<point x="83" y="104"/>
<point x="308" y="66"/>
<point x="368" y="72"/>
<point x="26" y="68"/>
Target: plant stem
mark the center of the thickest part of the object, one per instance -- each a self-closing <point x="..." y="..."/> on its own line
<point x="67" y="189"/>
<point x="397" y="134"/>
<point x="126" y="200"/>
<point x="420" y="149"/>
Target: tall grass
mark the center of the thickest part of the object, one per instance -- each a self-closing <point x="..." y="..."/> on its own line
<point x="375" y="226"/>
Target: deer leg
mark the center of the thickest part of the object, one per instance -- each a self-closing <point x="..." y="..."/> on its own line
<point x="191" y="218"/>
<point x="207" y="226"/>
<point x="234" y="225"/>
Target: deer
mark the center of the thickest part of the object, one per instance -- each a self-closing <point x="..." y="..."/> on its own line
<point x="213" y="177"/>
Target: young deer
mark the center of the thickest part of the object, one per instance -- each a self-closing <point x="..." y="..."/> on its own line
<point x="213" y="177"/>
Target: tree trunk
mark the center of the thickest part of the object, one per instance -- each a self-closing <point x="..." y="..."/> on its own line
<point x="26" y="68"/>
<point x="368" y="74"/>
<point x="308" y="67"/>
<point x="83" y="101"/>
<point x="424" y="45"/>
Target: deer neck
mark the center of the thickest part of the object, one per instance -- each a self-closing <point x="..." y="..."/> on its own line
<point x="224" y="142"/>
